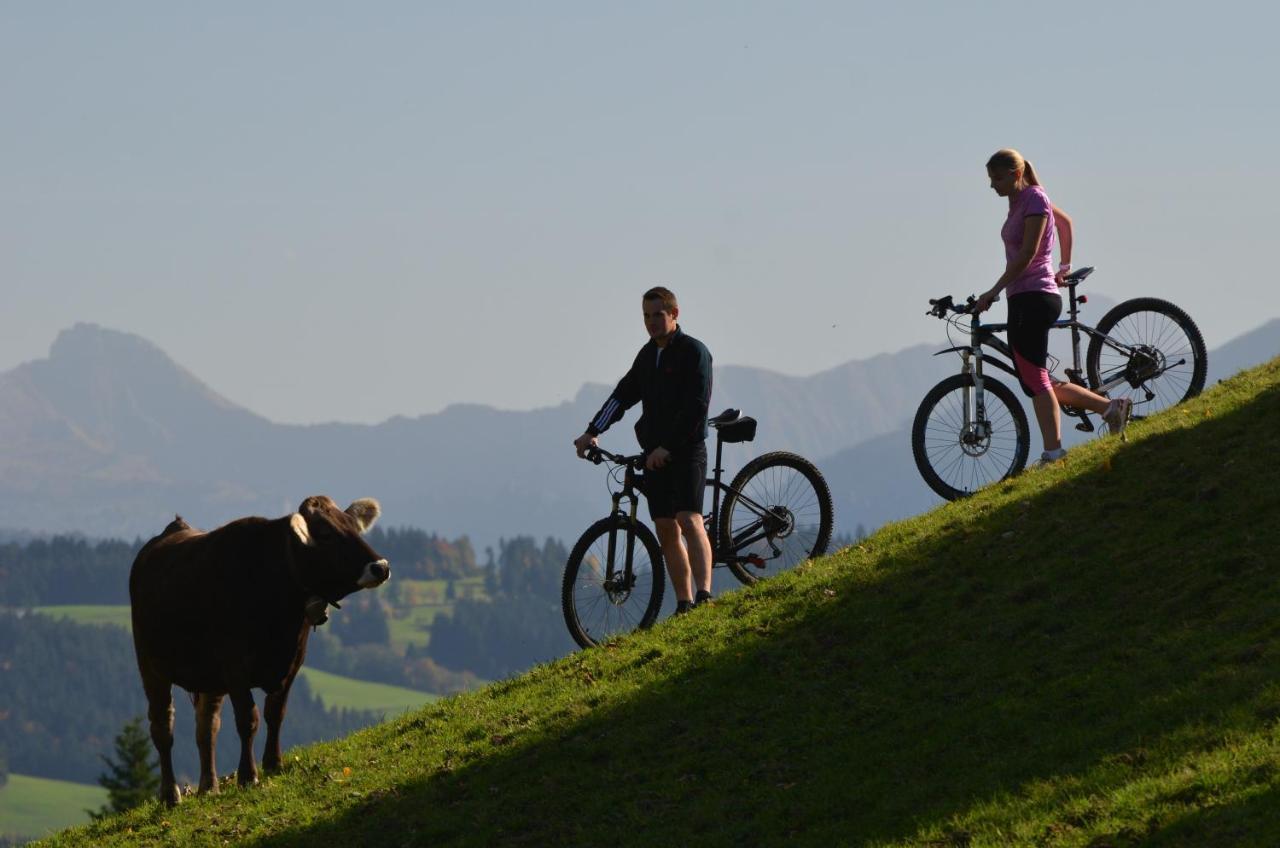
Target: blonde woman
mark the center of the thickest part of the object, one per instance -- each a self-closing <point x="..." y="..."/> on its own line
<point x="1034" y="302"/>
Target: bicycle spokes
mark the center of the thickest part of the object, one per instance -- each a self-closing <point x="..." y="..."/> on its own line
<point x="967" y="454"/>
<point x="607" y="596"/>
<point x="776" y="519"/>
<point x="1149" y="357"/>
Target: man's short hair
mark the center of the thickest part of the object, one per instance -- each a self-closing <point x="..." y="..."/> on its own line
<point x="667" y="296"/>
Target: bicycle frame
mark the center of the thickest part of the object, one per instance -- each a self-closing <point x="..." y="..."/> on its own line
<point x="973" y="358"/>
<point x="761" y="528"/>
<point x="721" y="554"/>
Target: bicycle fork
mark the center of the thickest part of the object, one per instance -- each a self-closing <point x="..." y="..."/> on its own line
<point x="628" y="573"/>
<point x="976" y="426"/>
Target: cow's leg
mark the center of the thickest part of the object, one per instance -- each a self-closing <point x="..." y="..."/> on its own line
<point x="160" y="714"/>
<point x="208" y="721"/>
<point x="246" y="725"/>
<point x="273" y="710"/>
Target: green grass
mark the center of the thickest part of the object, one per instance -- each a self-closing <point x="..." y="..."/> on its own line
<point x="417" y="604"/>
<point x="34" y="806"/>
<point x="338" y="691"/>
<point x="1088" y="655"/>
<point x="412" y="627"/>
<point x="116" y="614"/>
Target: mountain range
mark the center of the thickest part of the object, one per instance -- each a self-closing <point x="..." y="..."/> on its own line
<point x="109" y="436"/>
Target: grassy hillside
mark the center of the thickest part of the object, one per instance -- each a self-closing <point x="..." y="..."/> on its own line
<point x="348" y="693"/>
<point x="116" y="614"/>
<point x="1088" y="655"/>
<point x="34" y="806"/>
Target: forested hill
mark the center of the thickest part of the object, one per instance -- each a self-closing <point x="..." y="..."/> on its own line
<point x="1085" y="655"/>
<point x="68" y="569"/>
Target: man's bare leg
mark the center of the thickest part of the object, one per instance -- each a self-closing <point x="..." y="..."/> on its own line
<point x="673" y="551"/>
<point x="699" y="549"/>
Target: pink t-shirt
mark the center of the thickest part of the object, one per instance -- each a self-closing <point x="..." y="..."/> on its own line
<point x="1039" y="274"/>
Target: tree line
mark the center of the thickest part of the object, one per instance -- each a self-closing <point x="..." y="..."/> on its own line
<point x="69" y="569"/>
<point x="66" y="689"/>
<point x="520" y="625"/>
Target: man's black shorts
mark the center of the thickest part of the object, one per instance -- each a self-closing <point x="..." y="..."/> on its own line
<point x="680" y="485"/>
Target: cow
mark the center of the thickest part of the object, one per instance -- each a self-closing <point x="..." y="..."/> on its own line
<point x="223" y="612"/>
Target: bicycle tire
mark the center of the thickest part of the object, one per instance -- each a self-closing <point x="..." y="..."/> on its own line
<point x="583" y="594"/>
<point x="941" y="431"/>
<point x="1138" y="323"/>
<point x="801" y="499"/>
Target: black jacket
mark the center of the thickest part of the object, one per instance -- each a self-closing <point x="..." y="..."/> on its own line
<point x="675" y="390"/>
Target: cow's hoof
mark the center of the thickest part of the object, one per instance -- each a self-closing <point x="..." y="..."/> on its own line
<point x="170" y="795"/>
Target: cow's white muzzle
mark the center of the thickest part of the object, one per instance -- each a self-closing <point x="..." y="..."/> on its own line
<point x="375" y="574"/>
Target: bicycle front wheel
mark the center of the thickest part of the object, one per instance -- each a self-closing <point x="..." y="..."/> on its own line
<point x="957" y="456"/>
<point x="600" y="596"/>
<point x="1152" y="353"/>
<point x="777" y="513"/>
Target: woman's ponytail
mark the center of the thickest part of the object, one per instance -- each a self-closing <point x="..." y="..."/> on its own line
<point x="1029" y="173"/>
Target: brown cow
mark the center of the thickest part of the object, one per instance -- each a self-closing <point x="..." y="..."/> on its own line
<point x="224" y="612"/>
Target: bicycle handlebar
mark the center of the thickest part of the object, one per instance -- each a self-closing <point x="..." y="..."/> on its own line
<point x="598" y="455"/>
<point x="940" y="307"/>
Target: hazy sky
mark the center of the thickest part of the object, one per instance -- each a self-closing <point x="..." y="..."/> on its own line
<point x="347" y="211"/>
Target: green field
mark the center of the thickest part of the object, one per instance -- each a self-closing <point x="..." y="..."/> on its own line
<point x="117" y="614"/>
<point x="1087" y="655"/>
<point x="409" y="624"/>
<point x="34" y="806"/>
<point x="346" y="692"/>
<point x="418" y="602"/>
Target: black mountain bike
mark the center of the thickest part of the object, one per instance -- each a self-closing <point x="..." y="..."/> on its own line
<point x="776" y="512"/>
<point x="971" y="430"/>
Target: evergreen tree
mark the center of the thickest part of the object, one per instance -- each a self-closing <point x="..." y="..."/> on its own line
<point x="131" y="779"/>
<point x="362" y="621"/>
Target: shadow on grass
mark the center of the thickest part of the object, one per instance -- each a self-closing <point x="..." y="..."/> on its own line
<point x="1241" y="825"/>
<point x="1068" y="637"/>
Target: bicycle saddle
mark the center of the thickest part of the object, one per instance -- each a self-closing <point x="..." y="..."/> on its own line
<point x="726" y="417"/>
<point x="1076" y="277"/>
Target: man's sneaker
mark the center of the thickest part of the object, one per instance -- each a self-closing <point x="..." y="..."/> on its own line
<point x="683" y="607"/>
<point x="1050" y="457"/>
<point x="1117" y="416"/>
<point x="703" y="597"/>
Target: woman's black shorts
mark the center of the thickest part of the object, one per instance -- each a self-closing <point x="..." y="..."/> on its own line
<point x="1031" y="314"/>
<point x="680" y="485"/>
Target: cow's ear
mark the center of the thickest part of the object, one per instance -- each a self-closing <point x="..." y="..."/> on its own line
<point x="365" y="511"/>
<point x="299" y="526"/>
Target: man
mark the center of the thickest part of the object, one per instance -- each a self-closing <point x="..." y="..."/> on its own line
<point x="671" y="379"/>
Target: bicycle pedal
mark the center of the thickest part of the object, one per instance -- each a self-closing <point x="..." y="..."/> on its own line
<point x="756" y="560"/>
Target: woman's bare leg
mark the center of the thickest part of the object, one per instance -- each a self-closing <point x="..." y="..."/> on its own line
<point x="1080" y="397"/>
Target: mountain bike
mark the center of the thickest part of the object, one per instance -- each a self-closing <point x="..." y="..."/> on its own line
<point x="776" y="512"/>
<point x="970" y="429"/>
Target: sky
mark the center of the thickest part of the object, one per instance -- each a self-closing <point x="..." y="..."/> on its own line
<point x="349" y="211"/>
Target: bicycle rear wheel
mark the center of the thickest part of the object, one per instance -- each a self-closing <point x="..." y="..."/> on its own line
<point x="777" y="513"/>
<point x="597" y="598"/>
<point x="957" y="459"/>
<point x="1160" y="358"/>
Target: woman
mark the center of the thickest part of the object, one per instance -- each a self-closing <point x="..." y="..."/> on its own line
<point x="1034" y="302"/>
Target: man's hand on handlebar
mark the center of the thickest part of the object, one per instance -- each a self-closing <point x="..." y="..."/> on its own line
<point x="584" y="443"/>
<point x="657" y="458"/>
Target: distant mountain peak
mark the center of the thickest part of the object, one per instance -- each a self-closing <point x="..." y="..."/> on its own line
<point x="84" y="340"/>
